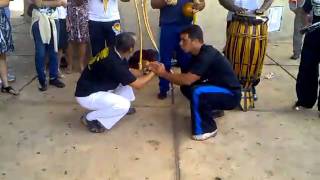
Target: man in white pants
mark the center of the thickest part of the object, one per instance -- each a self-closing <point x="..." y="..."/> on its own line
<point x="105" y="85"/>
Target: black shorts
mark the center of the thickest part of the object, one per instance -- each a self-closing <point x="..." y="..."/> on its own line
<point x="63" y="35"/>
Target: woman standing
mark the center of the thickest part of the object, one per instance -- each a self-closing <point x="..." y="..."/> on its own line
<point x="6" y="45"/>
<point x="45" y="28"/>
<point x="77" y="26"/>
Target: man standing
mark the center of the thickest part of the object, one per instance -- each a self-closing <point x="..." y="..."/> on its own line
<point x="299" y="22"/>
<point x="209" y="82"/>
<point x="307" y="81"/>
<point x="246" y="7"/>
<point x="172" y="21"/>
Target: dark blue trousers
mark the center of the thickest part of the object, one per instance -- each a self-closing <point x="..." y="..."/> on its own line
<point x="203" y="100"/>
<point x="169" y="46"/>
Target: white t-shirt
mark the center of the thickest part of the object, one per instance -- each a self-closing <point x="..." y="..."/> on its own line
<point x="62" y="12"/>
<point x="251" y="5"/>
<point x="97" y="12"/>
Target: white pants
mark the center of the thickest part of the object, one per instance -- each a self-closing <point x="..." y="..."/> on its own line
<point x="108" y="107"/>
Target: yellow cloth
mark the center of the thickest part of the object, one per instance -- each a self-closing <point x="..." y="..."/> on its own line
<point x="45" y="21"/>
<point x="105" y="5"/>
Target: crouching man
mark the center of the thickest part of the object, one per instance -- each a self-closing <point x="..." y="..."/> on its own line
<point x="105" y="85"/>
<point x="209" y="84"/>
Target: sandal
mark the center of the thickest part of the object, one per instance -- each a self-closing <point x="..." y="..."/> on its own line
<point x="93" y="126"/>
<point x="9" y="90"/>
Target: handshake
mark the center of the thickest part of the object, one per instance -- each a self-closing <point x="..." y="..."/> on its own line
<point x="150" y="62"/>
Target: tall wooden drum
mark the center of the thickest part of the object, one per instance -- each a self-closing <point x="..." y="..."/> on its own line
<point x="246" y="48"/>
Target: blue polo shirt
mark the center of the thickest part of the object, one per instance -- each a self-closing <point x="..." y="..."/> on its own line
<point x="174" y="15"/>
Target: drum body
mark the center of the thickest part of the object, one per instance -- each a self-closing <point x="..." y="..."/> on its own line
<point x="246" y="48"/>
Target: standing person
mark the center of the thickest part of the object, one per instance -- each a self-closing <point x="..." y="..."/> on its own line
<point x="104" y="23"/>
<point x="11" y="76"/>
<point x="45" y="28"/>
<point x="307" y="81"/>
<point x="78" y="29"/>
<point x="296" y="6"/>
<point x="105" y="85"/>
<point x="63" y="36"/>
<point x="6" y="45"/>
<point x="255" y="7"/>
<point x="209" y="83"/>
<point x="171" y="22"/>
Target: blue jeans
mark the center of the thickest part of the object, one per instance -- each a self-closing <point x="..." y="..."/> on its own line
<point x="40" y="55"/>
<point x="169" y="44"/>
<point x="7" y="11"/>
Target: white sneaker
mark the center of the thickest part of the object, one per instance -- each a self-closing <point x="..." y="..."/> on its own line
<point x="202" y="137"/>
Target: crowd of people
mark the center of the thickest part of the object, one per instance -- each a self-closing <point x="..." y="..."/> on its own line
<point x="62" y="29"/>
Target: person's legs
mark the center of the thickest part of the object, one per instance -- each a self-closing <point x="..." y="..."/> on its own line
<point x="307" y="81"/>
<point x="82" y="55"/>
<point x="111" y="29"/>
<point x="107" y="108"/>
<point x="204" y="100"/>
<point x="40" y="54"/>
<point x="3" y="70"/>
<point x="69" y="56"/>
<point x="167" y="47"/>
<point x="96" y="37"/>
<point x="297" y="36"/>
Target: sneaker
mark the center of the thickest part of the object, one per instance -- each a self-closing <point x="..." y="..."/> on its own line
<point x="202" y="137"/>
<point x="217" y="114"/>
<point x="43" y="87"/>
<point x="11" y="77"/>
<point x="162" y="95"/>
<point x="295" y="57"/>
<point x="60" y="75"/>
<point x="93" y="126"/>
<point x="57" y="83"/>
<point x="131" y="111"/>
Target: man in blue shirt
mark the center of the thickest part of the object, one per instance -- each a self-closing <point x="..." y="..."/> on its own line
<point x="172" y="22"/>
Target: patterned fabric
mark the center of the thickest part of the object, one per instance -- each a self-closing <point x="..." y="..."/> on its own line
<point x="6" y="43"/>
<point x="78" y="21"/>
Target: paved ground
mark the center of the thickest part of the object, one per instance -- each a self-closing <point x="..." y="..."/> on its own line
<point x="41" y="137"/>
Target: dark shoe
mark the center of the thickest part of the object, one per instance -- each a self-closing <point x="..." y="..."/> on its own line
<point x="295" y="57"/>
<point x="9" y="90"/>
<point x="63" y="63"/>
<point x="131" y="111"/>
<point x="162" y="95"/>
<point x="254" y="93"/>
<point x="57" y="83"/>
<point x="93" y="126"/>
<point x="217" y="114"/>
<point x="43" y="87"/>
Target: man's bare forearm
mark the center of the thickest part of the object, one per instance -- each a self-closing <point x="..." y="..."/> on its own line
<point x="228" y="4"/>
<point x="158" y="4"/>
<point x="4" y="3"/>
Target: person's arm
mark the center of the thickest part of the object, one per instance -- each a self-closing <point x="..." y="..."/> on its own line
<point x="265" y="6"/>
<point x="140" y="82"/>
<point x="158" y="4"/>
<point x="40" y="3"/>
<point x="4" y="3"/>
<point x="199" y="5"/>
<point x="135" y="72"/>
<point x="179" y="79"/>
<point x="229" y="5"/>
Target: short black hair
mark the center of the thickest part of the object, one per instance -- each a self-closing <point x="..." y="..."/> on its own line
<point x="125" y="41"/>
<point x="194" y="32"/>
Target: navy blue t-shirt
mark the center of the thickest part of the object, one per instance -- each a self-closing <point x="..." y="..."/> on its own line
<point x="104" y="74"/>
<point x="174" y="15"/>
<point x="214" y="69"/>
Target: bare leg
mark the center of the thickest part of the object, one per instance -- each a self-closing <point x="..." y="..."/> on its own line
<point x="69" y="57"/>
<point x="82" y="55"/>
<point x="3" y="70"/>
<point x="60" y="55"/>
